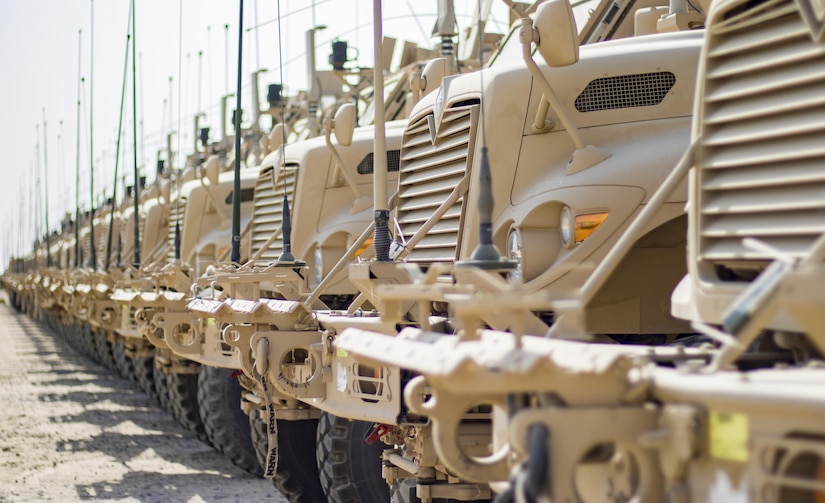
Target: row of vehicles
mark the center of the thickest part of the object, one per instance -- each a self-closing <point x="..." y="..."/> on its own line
<point x="649" y="332"/>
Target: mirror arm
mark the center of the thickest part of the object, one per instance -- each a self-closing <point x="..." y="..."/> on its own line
<point x="214" y="200"/>
<point x="528" y="35"/>
<point x="340" y="167"/>
<point x="541" y="124"/>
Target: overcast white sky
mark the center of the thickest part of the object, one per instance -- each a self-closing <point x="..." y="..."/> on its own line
<point x="39" y="63"/>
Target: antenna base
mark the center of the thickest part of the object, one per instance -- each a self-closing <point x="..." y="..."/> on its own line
<point x="288" y="260"/>
<point x="487" y="257"/>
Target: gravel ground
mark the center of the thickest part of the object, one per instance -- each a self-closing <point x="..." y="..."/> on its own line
<point x="70" y="430"/>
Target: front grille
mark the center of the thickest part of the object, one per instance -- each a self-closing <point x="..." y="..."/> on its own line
<point x="762" y="147"/>
<point x="430" y="170"/>
<point x="625" y="91"/>
<point x="268" y="209"/>
<point x="86" y="249"/>
<point x="176" y="213"/>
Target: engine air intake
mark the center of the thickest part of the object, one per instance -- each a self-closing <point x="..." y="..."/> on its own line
<point x="367" y="166"/>
<point x="625" y="91"/>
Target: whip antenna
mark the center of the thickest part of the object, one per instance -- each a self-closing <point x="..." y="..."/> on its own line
<point x="136" y="192"/>
<point x="180" y="124"/>
<point x="381" y="240"/>
<point x="92" y="247"/>
<point x="109" y="236"/>
<point x="286" y="256"/>
<point x="46" y="192"/>
<point x="235" y="256"/>
<point x="486" y="255"/>
<point x="77" y="164"/>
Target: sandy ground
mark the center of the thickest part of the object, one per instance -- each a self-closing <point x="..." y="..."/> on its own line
<point x="70" y="430"/>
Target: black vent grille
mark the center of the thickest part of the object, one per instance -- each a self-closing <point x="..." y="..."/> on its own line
<point x="625" y="91"/>
<point x="367" y="166"/>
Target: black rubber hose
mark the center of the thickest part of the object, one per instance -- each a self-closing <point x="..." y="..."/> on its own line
<point x="538" y="464"/>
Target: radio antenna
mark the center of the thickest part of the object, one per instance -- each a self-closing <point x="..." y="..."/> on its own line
<point x="235" y="256"/>
<point x="110" y="234"/>
<point x="486" y="255"/>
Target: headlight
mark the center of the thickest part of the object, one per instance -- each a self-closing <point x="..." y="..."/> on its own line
<point x="574" y="230"/>
<point x="514" y="251"/>
<point x="566" y="226"/>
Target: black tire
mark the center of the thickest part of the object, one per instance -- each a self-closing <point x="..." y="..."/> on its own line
<point x="349" y="468"/>
<point x="103" y="350"/>
<point x="227" y="426"/>
<point x="123" y="363"/>
<point x="161" y="395"/>
<point x="87" y="342"/>
<point x="73" y="334"/>
<point x="144" y="374"/>
<point x="183" y="394"/>
<point x="296" y="474"/>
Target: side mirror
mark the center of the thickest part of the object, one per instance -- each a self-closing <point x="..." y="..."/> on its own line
<point x="212" y="169"/>
<point x="558" y="36"/>
<point x="276" y="137"/>
<point x="344" y="124"/>
<point x="166" y="190"/>
<point x="432" y="74"/>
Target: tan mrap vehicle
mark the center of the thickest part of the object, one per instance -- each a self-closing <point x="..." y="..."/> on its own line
<point x="757" y="162"/>
<point x="200" y="209"/>
<point x="742" y="422"/>
<point x="567" y="178"/>
<point x="327" y="218"/>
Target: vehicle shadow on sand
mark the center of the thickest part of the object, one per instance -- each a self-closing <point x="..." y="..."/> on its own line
<point x="151" y="487"/>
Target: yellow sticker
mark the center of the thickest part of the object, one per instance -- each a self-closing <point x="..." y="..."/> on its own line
<point x="341" y="352"/>
<point x="728" y="436"/>
<point x="211" y="322"/>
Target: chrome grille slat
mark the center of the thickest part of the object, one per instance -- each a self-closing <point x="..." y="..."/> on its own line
<point x="772" y="79"/>
<point x="790" y="123"/>
<point x="424" y="149"/>
<point x="744" y="104"/>
<point x="759" y="14"/>
<point x="770" y="224"/>
<point x="772" y="150"/>
<point x="444" y="226"/>
<point x="784" y="198"/>
<point x="454" y="165"/>
<point x="791" y="51"/>
<point x="429" y="172"/>
<point x="765" y="34"/>
<point x="762" y="137"/>
<point x="420" y="213"/>
<point x="451" y="152"/>
<point x="729" y="251"/>
<point x="793" y="171"/>
<point x="268" y="209"/>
